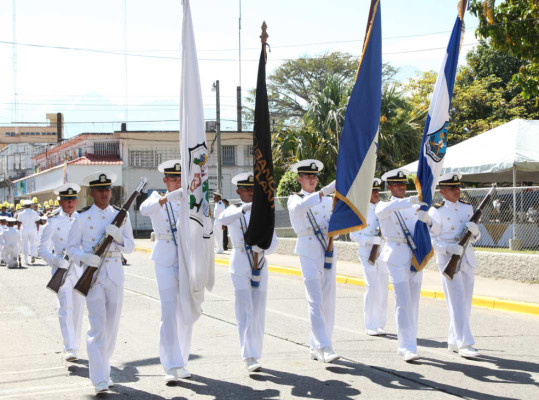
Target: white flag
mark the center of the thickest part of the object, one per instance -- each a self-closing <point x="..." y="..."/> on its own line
<point x="195" y="247"/>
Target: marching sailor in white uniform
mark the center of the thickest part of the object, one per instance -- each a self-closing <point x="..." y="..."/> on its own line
<point x="52" y="249"/>
<point x="105" y="298"/>
<point x="376" y="276"/>
<point x="449" y="219"/>
<point x="250" y="290"/>
<point x="28" y="218"/>
<point x="11" y="238"/>
<point x="310" y="212"/>
<point x="397" y="218"/>
<point x="164" y="210"/>
<point x="217" y="226"/>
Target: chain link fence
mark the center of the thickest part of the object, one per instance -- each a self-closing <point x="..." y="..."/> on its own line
<point x="511" y="220"/>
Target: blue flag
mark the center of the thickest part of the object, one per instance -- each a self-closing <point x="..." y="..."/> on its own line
<point x="434" y="144"/>
<point x="356" y="161"/>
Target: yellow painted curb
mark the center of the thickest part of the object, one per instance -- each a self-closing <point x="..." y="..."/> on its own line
<point x="478" y="301"/>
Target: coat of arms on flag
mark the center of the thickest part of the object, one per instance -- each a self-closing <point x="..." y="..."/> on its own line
<point x="436" y="144"/>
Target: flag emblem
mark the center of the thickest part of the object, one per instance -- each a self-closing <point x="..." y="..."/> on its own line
<point x="436" y="144"/>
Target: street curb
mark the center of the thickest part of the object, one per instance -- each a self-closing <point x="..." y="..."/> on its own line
<point x="477" y="301"/>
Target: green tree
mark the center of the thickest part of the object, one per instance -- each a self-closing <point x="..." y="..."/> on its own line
<point x="288" y="184"/>
<point x="511" y="26"/>
<point x="400" y="129"/>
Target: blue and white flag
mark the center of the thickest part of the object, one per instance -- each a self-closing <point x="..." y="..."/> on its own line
<point x="434" y="144"/>
<point x="356" y="161"/>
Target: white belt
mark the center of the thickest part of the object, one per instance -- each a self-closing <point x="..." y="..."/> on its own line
<point x="395" y="239"/>
<point x="112" y="254"/>
<point x="164" y="236"/>
<point x="309" y="233"/>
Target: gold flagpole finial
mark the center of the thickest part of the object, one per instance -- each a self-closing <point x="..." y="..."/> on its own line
<point x="264" y="38"/>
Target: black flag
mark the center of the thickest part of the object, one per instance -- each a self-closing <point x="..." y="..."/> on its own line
<point x="262" y="222"/>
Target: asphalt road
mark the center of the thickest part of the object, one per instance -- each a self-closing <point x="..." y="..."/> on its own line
<point x="31" y="364"/>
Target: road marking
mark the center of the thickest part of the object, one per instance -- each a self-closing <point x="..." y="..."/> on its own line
<point x="42" y="393"/>
<point x="30" y="370"/>
<point x="10" y="392"/>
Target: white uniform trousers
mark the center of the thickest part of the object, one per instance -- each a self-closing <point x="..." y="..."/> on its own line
<point x="458" y="295"/>
<point x="218" y="235"/>
<point x="104" y="303"/>
<point x="407" y="287"/>
<point x="28" y="239"/>
<point x="174" y="334"/>
<point x="11" y="252"/>
<point x="320" y="289"/>
<point x="250" y="307"/>
<point x="70" y="310"/>
<point x="375" y="299"/>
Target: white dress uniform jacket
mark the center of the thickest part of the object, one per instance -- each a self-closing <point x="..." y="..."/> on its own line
<point x="320" y="283"/>
<point x="397" y="256"/>
<point x="70" y="303"/>
<point x="105" y="298"/>
<point x="174" y="334"/>
<point x="376" y="276"/>
<point x="249" y="302"/>
<point x="217" y="226"/>
<point x="28" y="218"/>
<point x="448" y="223"/>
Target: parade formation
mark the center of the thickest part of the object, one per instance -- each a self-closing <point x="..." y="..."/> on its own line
<point x="396" y="234"/>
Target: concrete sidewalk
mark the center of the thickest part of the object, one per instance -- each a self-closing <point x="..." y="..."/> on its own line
<point x="498" y="294"/>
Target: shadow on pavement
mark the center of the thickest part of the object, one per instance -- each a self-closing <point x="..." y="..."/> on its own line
<point x="307" y="386"/>
<point x="406" y="380"/>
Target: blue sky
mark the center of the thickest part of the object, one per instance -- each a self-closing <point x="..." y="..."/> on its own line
<point x="89" y="86"/>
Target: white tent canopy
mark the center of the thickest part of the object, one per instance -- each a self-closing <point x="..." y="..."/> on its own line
<point x="508" y="153"/>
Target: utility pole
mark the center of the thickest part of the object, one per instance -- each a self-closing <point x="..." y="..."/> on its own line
<point x="238" y="90"/>
<point x="218" y="134"/>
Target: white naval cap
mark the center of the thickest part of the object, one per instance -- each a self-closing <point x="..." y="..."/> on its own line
<point x="376" y="184"/>
<point x="26" y="202"/>
<point x="308" y="167"/>
<point x="450" y="179"/>
<point x="101" y="180"/>
<point x="3" y="217"/>
<point x="67" y="190"/>
<point x="245" y="179"/>
<point x="170" y="167"/>
<point x="396" y="175"/>
<point x="11" y="219"/>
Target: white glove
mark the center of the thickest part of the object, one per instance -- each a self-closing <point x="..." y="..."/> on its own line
<point x="455" y="249"/>
<point x="246" y="207"/>
<point x="473" y="228"/>
<point x="90" y="259"/>
<point x="423" y="216"/>
<point x="63" y="263"/>
<point x="377" y="240"/>
<point x="175" y="195"/>
<point x="57" y="261"/>
<point x="415" y="200"/>
<point x="115" y="232"/>
<point x="329" y="189"/>
<point x="257" y="249"/>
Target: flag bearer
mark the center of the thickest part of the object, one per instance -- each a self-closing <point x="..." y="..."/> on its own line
<point x="310" y="212"/>
<point x="250" y="291"/>
<point x="397" y="218"/>
<point x="164" y="210"/>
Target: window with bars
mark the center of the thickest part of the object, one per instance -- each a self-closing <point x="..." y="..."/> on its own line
<point x="248" y="156"/>
<point x="229" y="156"/>
<point x="151" y="158"/>
<point x="107" y="148"/>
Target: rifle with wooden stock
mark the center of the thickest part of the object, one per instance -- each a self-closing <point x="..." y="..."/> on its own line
<point x="100" y="249"/>
<point x="453" y="264"/>
<point x="59" y="276"/>
<point x="373" y="256"/>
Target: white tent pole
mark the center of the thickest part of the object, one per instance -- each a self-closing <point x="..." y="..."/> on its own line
<point x="514" y="201"/>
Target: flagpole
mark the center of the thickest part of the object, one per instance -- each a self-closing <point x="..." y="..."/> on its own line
<point x="264" y="39"/>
